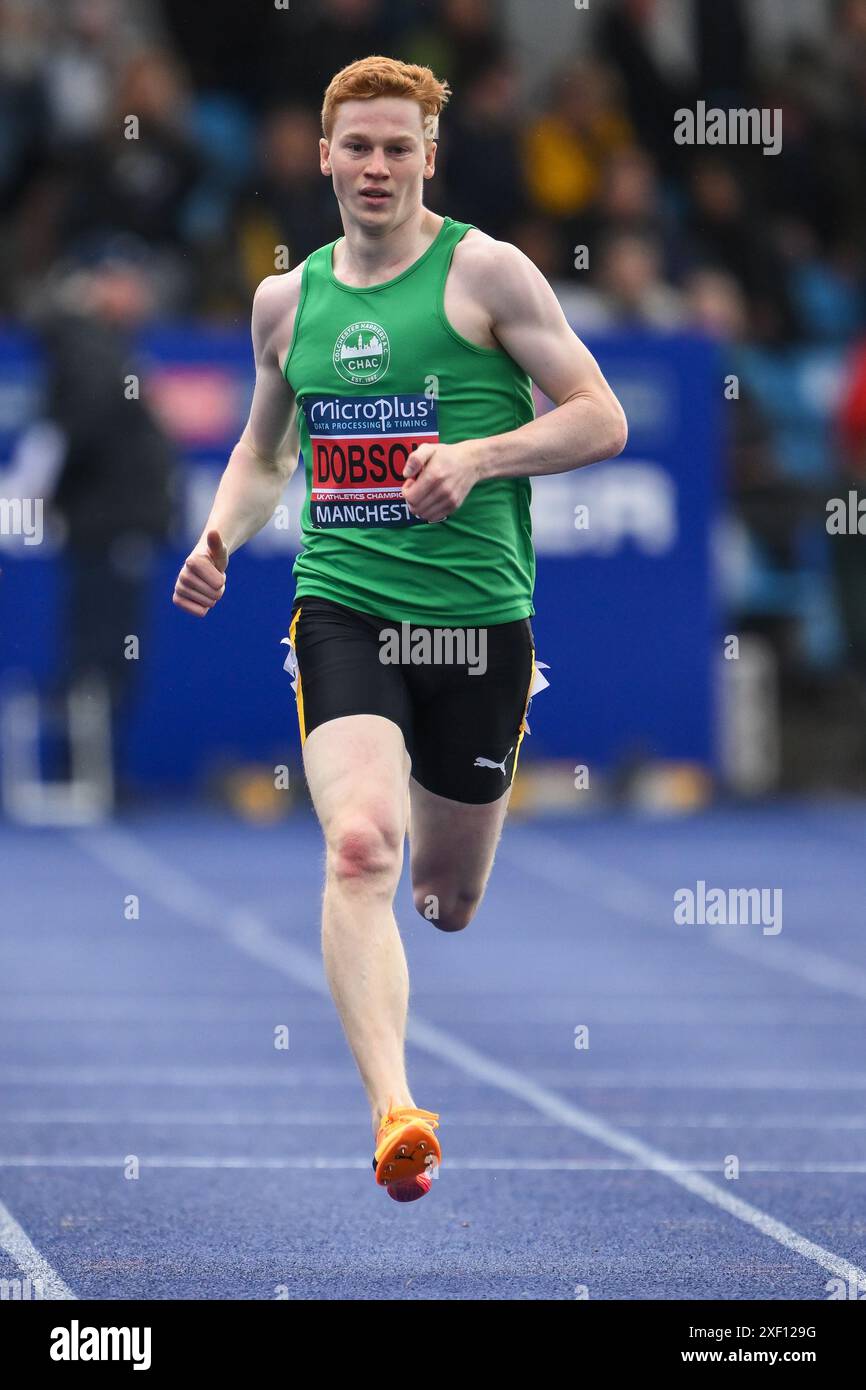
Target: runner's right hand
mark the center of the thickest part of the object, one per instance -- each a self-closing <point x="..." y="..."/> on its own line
<point x="202" y="580"/>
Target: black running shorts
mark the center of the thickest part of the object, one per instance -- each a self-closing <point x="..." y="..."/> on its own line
<point x="460" y="695"/>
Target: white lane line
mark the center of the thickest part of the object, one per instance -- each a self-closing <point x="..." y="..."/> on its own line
<point x="157" y="1014"/>
<point x="262" y="1077"/>
<point x="746" y="1079"/>
<point x="138" y="1075"/>
<point x="696" y="1013"/>
<point x="637" y="899"/>
<point x="18" y="1245"/>
<point x="548" y="1103"/>
<point x="471" y="1120"/>
<point x="619" y="1009"/>
<point x="475" y="1165"/>
<point x="124" y="856"/>
<point x="815" y="966"/>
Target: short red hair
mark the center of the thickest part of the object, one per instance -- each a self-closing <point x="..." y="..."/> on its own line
<point x="386" y="77"/>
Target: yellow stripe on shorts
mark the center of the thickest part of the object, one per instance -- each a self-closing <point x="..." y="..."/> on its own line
<point x="523" y="720"/>
<point x="299" y="691"/>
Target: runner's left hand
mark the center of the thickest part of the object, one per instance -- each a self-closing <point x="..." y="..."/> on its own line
<point x="438" y="478"/>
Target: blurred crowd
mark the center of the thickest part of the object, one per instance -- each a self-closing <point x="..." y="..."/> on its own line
<point x="767" y="253"/>
<point x="223" y="163"/>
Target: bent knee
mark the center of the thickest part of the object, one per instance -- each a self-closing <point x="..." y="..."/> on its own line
<point x="451" y="913"/>
<point x="364" y="847"/>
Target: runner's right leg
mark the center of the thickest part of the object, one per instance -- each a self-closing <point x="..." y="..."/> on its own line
<point x="357" y="770"/>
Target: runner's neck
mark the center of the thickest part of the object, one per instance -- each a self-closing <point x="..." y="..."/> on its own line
<point x="361" y="261"/>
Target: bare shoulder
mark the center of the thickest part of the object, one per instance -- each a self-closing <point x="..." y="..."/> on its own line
<point x="496" y="273"/>
<point x="477" y="255"/>
<point x="275" y="304"/>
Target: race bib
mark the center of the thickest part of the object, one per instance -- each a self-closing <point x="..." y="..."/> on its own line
<point x="360" y="445"/>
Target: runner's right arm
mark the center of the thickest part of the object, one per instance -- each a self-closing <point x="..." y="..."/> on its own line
<point x="262" y="461"/>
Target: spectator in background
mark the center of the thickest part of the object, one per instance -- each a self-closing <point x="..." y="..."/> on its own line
<point x="849" y="549"/>
<point x="827" y="286"/>
<point x="137" y="185"/>
<point x="114" y="490"/>
<point x="545" y="242"/>
<point x="287" y="202"/>
<point x="224" y="47"/>
<point x="632" y="285"/>
<point x="85" y="52"/>
<point x="768" y="502"/>
<point x="565" y="148"/>
<point x="23" y="99"/>
<point x="299" y="62"/>
<point x="817" y="178"/>
<point x="542" y="239"/>
<point x="654" y="49"/>
<point x="480" y="152"/>
<point x="844" y="62"/>
<point x="726" y="229"/>
<point x="24" y="122"/>
<point x="464" y="38"/>
<point x="722" y="51"/>
<point x="622" y="287"/>
<point x="769" y="510"/>
<point x="630" y="200"/>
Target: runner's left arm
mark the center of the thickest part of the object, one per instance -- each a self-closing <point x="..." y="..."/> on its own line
<point x="588" y="423"/>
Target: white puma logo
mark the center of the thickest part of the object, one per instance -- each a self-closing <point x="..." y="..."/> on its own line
<point x="485" y="762"/>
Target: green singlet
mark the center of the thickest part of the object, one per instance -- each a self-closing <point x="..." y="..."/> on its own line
<point x="376" y="372"/>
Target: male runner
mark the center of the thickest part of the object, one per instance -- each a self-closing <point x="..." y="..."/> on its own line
<point x="408" y="346"/>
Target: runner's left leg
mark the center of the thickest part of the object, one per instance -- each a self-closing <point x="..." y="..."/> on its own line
<point x="452" y="844"/>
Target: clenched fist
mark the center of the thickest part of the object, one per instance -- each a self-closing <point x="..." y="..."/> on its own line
<point x="437" y="478"/>
<point x="202" y="580"/>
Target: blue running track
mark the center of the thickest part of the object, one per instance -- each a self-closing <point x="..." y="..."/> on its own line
<point x="147" y="1046"/>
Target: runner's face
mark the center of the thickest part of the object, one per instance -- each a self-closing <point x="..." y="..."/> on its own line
<point x="378" y="159"/>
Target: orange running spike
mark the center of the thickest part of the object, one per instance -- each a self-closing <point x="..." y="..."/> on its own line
<point x="407" y="1148"/>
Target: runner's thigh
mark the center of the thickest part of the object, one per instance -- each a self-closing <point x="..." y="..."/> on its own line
<point x="354" y="717"/>
<point x="467" y="728"/>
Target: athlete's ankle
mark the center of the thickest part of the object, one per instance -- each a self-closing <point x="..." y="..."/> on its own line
<point x="394" y="1101"/>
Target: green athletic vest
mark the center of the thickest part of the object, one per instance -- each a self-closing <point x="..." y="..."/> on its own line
<point x="377" y="371"/>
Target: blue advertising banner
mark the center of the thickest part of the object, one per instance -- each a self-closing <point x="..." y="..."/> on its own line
<point x="625" y="598"/>
<point x="625" y="615"/>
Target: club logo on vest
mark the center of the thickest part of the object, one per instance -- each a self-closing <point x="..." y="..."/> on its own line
<point x="362" y="353"/>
